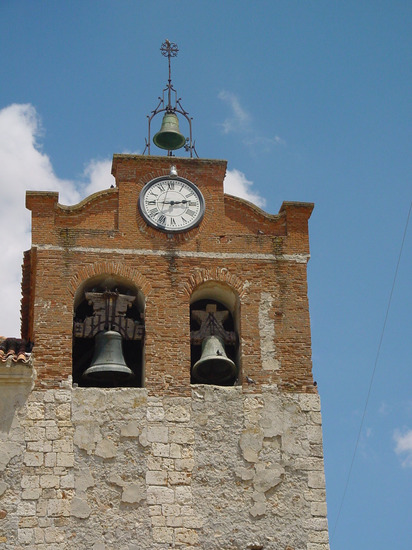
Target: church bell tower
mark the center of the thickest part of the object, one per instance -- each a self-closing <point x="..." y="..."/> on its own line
<point x="168" y="401"/>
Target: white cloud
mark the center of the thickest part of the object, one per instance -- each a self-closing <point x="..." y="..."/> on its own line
<point x="98" y="172"/>
<point x="237" y="184"/>
<point x="241" y="123"/>
<point x="404" y="446"/>
<point x="23" y="166"/>
<point x="240" y="119"/>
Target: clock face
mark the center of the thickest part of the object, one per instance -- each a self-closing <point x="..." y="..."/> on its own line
<point x="171" y="204"/>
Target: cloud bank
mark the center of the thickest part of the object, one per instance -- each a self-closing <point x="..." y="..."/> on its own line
<point x="24" y="166"/>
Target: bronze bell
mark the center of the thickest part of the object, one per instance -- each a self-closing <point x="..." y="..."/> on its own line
<point x="214" y="366"/>
<point x="108" y="364"/>
<point x="169" y="136"/>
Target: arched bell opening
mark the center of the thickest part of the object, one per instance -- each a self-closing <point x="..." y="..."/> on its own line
<point x="214" y="335"/>
<point x="108" y="333"/>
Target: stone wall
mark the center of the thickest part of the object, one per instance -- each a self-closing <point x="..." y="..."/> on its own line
<point x="99" y="469"/>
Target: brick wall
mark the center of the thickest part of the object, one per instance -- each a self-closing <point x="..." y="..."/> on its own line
<point x="260" y="257"/>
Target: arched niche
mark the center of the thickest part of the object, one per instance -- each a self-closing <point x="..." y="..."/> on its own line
<point x="215" y="311"/>
<point x="103" y="305"/>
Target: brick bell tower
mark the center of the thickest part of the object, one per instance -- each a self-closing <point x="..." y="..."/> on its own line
<point x="169" y="400"/>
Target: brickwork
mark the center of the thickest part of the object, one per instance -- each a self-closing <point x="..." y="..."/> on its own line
<point x="238" y="244"/>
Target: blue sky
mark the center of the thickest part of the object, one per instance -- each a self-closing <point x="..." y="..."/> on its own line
<point x="308" y="101"/>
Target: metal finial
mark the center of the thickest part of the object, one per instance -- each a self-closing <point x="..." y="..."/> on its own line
<point x="169" y="49"/>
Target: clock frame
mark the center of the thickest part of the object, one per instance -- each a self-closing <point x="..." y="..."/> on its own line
<point x="171" y="204"/>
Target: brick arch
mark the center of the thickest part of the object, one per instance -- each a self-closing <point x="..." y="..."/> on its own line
<point x="108" y="268"/>
<point x="218" y="274"/>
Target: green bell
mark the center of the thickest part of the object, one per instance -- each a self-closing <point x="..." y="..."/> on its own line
<point x="169" y="136"/>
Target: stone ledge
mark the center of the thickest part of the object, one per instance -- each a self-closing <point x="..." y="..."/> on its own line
<point x="12" y="372"/>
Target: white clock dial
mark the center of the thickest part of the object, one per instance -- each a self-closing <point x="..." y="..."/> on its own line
<point x="171" y="204"/>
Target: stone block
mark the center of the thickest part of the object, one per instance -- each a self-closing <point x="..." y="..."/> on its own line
<point x="186" y="536"/>
<point x="67" y="481"/>
<point x="185" y="464"/>
<point x="319" y="536"/>
<point x="179" y="478"/>
<point x="53" y="534"/>
<point x="155" y="414"/>
<point x="177" y="413"/>
<point x="156" y="478"/>
<point x="63" y="411"/>
<point x="180" y="434"/>
<point x="47" y="481"/>
<point x="62" y="446"/>
<point x="192" y="522"/>
<point x="161" y="449"/>
<point x="251" y="442"/>
<point x="246" y="474"/>
<point x="31" y="494"/>
<point x="30" y="521"/>
<point x="50" y="460"/>
<point x="171" y="509"/>
<point x="163" y="534"/>
<point x="106" y="449"/>
<point x="34" y="433"/>
<point x="130" y="430"/>
<point x="158" y="521"/>
<point x="133" y="493"/>
<point x="175" y="450"/>
<point x="183" y="495"/>
<point x="160" y="495"/>
<point x="84" y="480"/>
<point x="8" y="450"/>
<point x="35" y="411"/>
<point x="258" y="509"/>
<point x="318" y="509"/>
<point x="30" y="482"/>
<point x="174" y="521"/>
<point x="158" y="434"/>
<point x="80" y="508"/>
<point x="38" y="535"/>
<point x="25" y="535"/>
<point x="309" y="402"/>
<point x="39" y="446"/>
<point x="316" y="480"/>
<point x="86" y="436"/>
<point x="26" y="508"/>
<point x="58" y="507"/>
<point x="314" y="434"/>
<point x="268" y="478"/>
<point x="155" y="510"/>
<point x="33" y="459"/>
<point x="65" y="460"/>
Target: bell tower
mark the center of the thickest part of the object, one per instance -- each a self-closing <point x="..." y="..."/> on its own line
<point x="168" y="401"/>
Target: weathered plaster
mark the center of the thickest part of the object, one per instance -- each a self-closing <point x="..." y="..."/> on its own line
<point x="99" y="469"/>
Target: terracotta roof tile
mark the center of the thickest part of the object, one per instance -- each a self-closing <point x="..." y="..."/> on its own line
<point x="15" y="349"/>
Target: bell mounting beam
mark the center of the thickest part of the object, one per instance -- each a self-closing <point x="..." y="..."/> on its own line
<point x="169" y="102"/>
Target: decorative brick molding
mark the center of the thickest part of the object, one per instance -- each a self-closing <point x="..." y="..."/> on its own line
<point x="108" y="268"/>
<point x="219" y="274"/>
